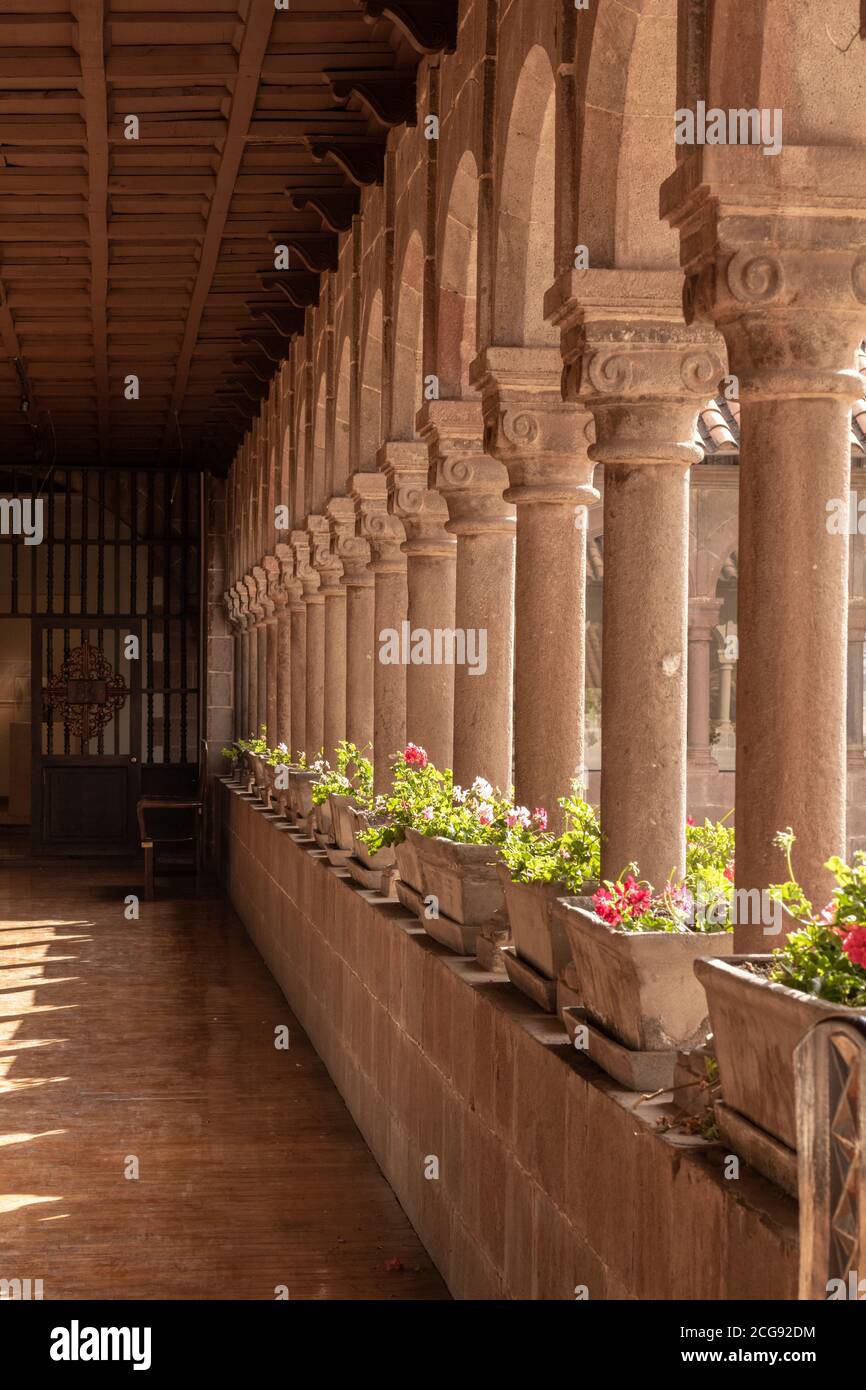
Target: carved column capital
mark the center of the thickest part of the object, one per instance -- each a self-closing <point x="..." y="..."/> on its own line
<point x="276" y="596"/>
<point x="386" y="536"/>
<point x="255" y="611"/>
<point x="264" y="602"/>
<point x="322" y="558"/>
<point x="307" y="576"/>
<point x="289" y="583"/>
<point x="776" y="263"/>
<point x="423" y="511"/>
<point x="541" y="438"/>
<point x="472" y="483"/>
<point x="631" y="359"/>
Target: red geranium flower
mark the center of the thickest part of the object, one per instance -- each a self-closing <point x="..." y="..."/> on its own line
<point x="414" y="756"/>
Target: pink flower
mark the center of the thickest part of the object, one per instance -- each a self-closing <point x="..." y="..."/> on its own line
<point x="690" y="820"/>
<point x="539" y="815"/>
<point x="428" y="813"/>
<point x="518" y="815"/>
<point x="627" y="899"/>
<point x="729" y="871"/>
<point x="828" y="913"/>
<point x="414" y="756"/>
<point x="854" y="946"/>
<point x="485" y="814"/>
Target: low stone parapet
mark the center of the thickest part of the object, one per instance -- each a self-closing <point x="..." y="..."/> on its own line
<point x="525" y="1170"/>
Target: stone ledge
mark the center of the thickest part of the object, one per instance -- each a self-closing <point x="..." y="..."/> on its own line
<point x="548" y="1179"/>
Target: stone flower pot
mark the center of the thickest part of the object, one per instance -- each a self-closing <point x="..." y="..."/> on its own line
<point x="323" y="819"/>
<point x="408" y="865"/>
<point x="537" y="930"/>
<point x="462" y="878"/>
<point x="640" y="987"/>
<point x="341" y="819"/>
<point x="259" y="778"/>
<point x="384" y="858"/>
<point x="281" y="794"/>
<point x="757" y="1024"/>
<point x="270" y="773"/>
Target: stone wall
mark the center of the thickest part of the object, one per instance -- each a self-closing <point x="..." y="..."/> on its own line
<point x="548" y="1178"/>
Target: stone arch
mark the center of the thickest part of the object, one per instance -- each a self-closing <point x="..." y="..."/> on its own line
<point x="371" y="386"/>
<point x="340" y="463"/>
<point x="458" y="274"/>
<point x="627" y="97"/>
<point x="408" y="341"/>
<point x="525" y="240"/>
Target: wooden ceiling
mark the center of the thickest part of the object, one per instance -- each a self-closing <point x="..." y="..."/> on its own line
<point x="154" y="256"/>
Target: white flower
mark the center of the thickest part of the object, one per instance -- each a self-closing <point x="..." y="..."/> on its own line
<point x="482" y="788"/>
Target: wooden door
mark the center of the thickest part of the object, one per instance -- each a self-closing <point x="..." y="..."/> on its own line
<point x="86" y="735"/>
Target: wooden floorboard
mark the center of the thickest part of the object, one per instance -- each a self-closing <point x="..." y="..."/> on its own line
<point x="155" y="1039"/>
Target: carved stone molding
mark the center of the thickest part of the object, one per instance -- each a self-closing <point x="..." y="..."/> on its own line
<point x="289" y="583"/>
<point x="264" y="602"/>
<point x="276" y="593"/>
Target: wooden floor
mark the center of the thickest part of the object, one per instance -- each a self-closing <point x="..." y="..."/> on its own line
<point x="154" y="1041"/>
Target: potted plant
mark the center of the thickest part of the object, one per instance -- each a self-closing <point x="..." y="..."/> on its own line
<point x="538" y="869"/>
<point x="279" y="763"/>
<point x="351" y="779"/>
<point x="762" y="1006"/>
<point x="451" y="836"/>
<point x="256" y="750"/>
<point x="634" y="952"/>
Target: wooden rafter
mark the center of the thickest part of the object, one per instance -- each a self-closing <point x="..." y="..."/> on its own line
<point x="91" y="53"/>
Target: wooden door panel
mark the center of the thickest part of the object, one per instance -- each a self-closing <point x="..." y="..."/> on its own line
<point x="86" y="735"/>
<point x="87" y="806"/>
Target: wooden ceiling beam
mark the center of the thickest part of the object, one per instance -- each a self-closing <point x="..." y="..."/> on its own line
<point x="254" y="45"/>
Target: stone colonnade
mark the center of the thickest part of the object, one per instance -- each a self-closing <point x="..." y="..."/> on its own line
<point x="486" y="386"/>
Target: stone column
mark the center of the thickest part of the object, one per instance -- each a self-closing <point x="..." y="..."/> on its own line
<point x="232" y="603"/>
<point x="473" y="485"/>
<point x="298" y="624"/>
<point x="314" y="605"/>
<point x="284" y="646"/>
<point x="784" y="279"/>
<point x="252" y="656"/>
<point x="386" y="537"/>
<point x="340" y="514"/>
<point x="360" y="583"/>
<point x="263" y="610"/>
<point x="431" y="577"/>
<point x="543" y="442"/>
<point x="703" y="617"/>
<point x="644" y="375"/>
<point x="271" y="566"/>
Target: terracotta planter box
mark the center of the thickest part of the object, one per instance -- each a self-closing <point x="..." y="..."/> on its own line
<point x="756" y="1025"/>
<point x="537" y="930"/>
<point x="640" y="987"/>
<point x="341" y="819"/>
<point x="463" y="878"/>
